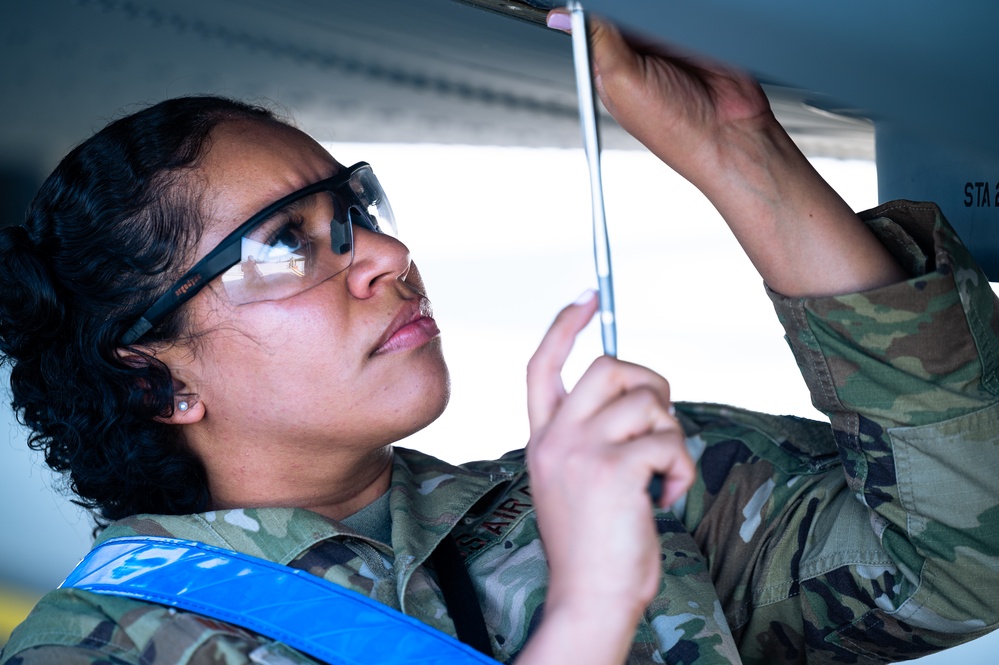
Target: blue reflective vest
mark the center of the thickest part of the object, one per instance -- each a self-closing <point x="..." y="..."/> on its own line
<point x="319" y="618"/>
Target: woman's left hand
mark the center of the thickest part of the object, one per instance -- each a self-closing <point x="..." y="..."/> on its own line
<point x="713" y="125"/>
<point x="683" y="108"/>
<point x="591" y="455"/>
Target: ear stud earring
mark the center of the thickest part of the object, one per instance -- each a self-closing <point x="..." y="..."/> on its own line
<point x="185" y="401"/>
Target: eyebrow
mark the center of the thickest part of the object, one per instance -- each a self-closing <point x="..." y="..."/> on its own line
<point x="299" y="205"/>
<point x="290" y="207"/>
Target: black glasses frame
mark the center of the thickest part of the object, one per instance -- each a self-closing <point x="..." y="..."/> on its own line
<point x="228" y="252"/>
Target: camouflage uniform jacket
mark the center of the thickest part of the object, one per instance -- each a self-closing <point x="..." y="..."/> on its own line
<point x="876" y="539"/>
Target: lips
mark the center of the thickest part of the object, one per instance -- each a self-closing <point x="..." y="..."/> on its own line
<point x="412" y="326"/>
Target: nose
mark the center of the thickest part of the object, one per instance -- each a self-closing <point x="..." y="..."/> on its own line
<point x="378" y="259"/>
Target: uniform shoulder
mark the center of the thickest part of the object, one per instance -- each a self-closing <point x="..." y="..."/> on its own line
<point x="792" y="443"/>
<point x="512" y="464"/>
<point x="70" y="626"/>
<point x="71" y="620"/>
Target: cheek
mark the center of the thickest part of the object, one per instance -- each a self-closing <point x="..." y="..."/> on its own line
<point x="302" y="324"/>
<point x="281" y="346"/>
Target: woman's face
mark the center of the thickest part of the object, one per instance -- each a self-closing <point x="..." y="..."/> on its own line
<point x="351" y="364"/>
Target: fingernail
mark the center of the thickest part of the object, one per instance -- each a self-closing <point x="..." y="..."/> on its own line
<point x="585" y="297"/>
<point x="560" y="21"/>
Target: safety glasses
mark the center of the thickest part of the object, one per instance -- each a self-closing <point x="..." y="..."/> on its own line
<point x="290" y="246"/>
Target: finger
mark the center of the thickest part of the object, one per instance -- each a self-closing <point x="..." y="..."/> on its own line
<point x="545" y="390"/>
<point x="679" y="476"/>
<point x="633" y="414"/>
<point x="663" y="452"/>
<point x="558" y="19"/>
<point x="606" y="379"/>
<point x="638" y="415"/>
<point x="609" y="50"/>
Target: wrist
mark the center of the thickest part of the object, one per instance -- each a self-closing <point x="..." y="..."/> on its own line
<point x="747" y="162"/>
<point x="581" y="633"/>
<point x="787" y="218"/>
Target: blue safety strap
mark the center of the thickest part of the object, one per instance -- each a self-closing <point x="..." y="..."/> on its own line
<point x="319" y="618"/>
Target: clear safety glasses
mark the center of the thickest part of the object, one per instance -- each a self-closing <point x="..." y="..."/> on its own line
<point x="293" y="244"/>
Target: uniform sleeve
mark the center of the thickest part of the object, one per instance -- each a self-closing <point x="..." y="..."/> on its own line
<point x="908" y="376"/>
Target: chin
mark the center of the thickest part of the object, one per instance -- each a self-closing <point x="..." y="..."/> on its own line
<point x="436" y="396"/>
<point x="427" y="394"/>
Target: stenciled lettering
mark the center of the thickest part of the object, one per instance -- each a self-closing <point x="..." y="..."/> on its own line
<point x="979" y="194"/>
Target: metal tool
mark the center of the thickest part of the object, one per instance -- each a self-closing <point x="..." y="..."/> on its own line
<point x="591" y="145"/>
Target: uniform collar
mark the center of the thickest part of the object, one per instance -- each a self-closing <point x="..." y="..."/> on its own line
<point x="428" y="497"/>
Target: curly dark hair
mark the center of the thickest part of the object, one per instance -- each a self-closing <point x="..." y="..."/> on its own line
<point x="105" y="235"/>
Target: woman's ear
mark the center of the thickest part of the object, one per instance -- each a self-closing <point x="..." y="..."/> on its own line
<point x="187" y="407"/>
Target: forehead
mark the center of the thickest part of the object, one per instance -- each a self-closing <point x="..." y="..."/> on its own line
<point x="251" y="163"/>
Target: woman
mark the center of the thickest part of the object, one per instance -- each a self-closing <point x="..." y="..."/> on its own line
<point x="251" y="404"/>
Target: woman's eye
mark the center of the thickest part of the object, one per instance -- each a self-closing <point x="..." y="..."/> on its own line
<point x="288" y="239"/>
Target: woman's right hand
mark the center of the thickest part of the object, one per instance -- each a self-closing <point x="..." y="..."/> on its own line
<point x="591" y="455"/>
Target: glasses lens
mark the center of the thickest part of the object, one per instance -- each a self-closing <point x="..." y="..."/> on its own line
<point x="290" y="251"/>
<point x="371" y="202"/>
<point x="308" y="240"/>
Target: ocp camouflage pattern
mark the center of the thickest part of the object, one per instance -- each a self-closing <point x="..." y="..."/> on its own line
<point x="486" y="506"/>
<point x="874" y="540"/>
<point x="877" y="540"/>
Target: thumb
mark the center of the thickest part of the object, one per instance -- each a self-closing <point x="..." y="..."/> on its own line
<point x="610" y="52"/>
